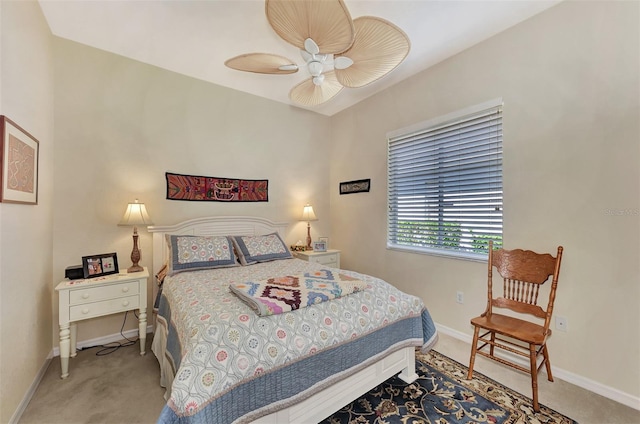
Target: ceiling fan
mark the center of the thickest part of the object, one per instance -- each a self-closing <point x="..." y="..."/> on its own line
<point x="338" y="51"/>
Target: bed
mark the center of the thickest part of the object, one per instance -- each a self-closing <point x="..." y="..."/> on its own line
<point x="224" y="361"/>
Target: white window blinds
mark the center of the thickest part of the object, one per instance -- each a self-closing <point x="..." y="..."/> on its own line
<point x="445" y="184"/>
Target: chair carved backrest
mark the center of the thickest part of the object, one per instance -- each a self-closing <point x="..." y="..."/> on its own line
<point x="523" y="273"/>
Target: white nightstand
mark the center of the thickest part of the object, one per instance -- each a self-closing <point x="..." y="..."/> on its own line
<point x="329" y="258"/>
<point x="95" y="297"/>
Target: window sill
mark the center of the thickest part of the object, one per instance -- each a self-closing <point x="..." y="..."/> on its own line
<point x="465" y="256"/>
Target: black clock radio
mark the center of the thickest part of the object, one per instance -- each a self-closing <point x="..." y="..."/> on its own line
<point x="74" y="272"/>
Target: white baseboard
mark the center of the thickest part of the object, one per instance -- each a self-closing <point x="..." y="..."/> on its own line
<point x="575" y="379"/>
<point x="130" y="334"/>
<point x="17" y="414"/>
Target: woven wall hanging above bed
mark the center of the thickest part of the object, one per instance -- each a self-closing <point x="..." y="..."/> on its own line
<point x="215" y="189"/>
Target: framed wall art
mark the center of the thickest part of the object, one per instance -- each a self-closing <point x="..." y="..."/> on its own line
<point x="357" y="186"/>
<point x="19" y="165"/>
<point x="215" y="189"/>
<point x="99" y="265"/>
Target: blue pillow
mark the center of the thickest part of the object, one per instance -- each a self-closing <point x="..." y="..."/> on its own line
<point x="252" y="249"/>
<point x="188" y="253"/>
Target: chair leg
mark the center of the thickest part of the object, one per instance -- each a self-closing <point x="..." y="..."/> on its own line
<point x="534" y="376"/>
<point x="493" y="341"/>
<point x="474" y="347"/>
<point x="545" y="352"/>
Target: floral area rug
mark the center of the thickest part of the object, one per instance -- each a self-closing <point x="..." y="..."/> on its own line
<point x="442" y="395"/>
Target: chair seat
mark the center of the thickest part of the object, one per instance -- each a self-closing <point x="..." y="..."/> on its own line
<point x="525" y="331"/>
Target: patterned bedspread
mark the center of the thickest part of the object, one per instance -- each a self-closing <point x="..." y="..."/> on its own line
<point x="230" y="362"/>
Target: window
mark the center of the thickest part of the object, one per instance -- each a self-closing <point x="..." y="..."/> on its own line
<point x="445" y="184"/>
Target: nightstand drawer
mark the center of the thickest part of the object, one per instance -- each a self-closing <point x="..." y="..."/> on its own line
<point x="96" y="309"/>
<point x="328" y="260"/>
<point x="95" y="294"/>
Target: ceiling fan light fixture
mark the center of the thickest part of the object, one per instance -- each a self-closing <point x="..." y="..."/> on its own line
<point x="290" y="67"/>
<point x="311" y="46"/>
<point x="342" y="62"/>
<point x="306" y="56"/>
<point x="315" y="68"/>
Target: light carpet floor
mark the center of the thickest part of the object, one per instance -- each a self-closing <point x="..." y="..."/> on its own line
<point x="122" y="387"/>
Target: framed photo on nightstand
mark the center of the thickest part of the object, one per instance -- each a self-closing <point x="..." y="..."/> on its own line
<point x="99" y="265"/>
<point x="319" y="246"/>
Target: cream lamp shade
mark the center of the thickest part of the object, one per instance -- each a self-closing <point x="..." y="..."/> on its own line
<point x="308" y="215"/>
<point x="136" y="214"/>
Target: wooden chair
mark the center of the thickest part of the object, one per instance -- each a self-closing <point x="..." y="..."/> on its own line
<point x="523" y="273"/>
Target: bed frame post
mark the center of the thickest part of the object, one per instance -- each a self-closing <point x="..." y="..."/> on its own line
<point x="408" y="374"/>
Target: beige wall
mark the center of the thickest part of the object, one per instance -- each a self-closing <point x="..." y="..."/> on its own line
<point x="569" y="81"/>
<point x="121" y="124"/>
<point x="26" y="82"/>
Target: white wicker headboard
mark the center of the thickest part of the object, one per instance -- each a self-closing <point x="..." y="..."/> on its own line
<point x="211" y="226"/>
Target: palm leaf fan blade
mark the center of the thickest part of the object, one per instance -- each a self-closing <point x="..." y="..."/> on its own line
<point x="327" y="22"/>
<point x="262" y="63"/>
<point x="379" y="47"/>
<point x="309" y="94"/>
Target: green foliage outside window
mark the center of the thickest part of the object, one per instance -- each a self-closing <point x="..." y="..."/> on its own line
<point x="481" y="242"/>
<point x="427" y="234"/>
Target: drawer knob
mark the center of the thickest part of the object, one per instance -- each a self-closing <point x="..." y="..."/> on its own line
<point x="125" y="289"/>
<point x="85" y="295"/>
<point x="85" y="311"/>
<point x="125" y="303"/>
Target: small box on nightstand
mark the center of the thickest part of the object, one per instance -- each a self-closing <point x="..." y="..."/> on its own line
<point x="74" y="272"/>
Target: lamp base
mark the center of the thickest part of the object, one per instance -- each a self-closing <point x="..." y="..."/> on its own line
<point x="135" y="254"/>
<point x="134" y="268"/>
<point x="308" y="246"/>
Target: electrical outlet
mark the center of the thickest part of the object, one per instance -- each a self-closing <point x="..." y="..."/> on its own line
<point x="561" y="323"/>
<point x="459" y="297"/>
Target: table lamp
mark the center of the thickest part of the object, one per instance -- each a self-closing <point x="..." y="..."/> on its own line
<point x="308" y="215"/>
<point x="136" y="214"/>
